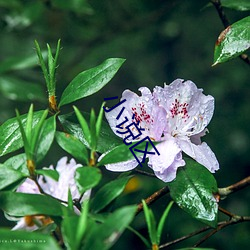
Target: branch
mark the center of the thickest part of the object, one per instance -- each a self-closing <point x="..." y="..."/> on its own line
<point x="152" y="198"/>
<point x="235" y="220"/>
<point x="144" y="173"/>
<point x="223" y="192"/>
<point x="226" y="23"/>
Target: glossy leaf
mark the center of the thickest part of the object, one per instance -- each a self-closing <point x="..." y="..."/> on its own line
<point x="90" y="81"/>
<point x="19" y="90"/>
<point x="241" y="5"/>
<point x="105" y="235"/>
<point x="18" y="162"/>
<point x="108" y="193"/>
<point x="46" y="138"/>
<point x="84" y="125"/>
<point x="107" y="138"/>
<point x="122" y="153"/>
<point x="193" y="191"/>
<point x="69" y="230"/>
<point x="20" y="204"/>
<point x="87" y="177"/>
<point x="53" y="174"/>
<point x="162" y="221"/>
<point x="233" y="41"/>
<point x="10" y="136"/>
<point x="73" y="146"/>
<point x="8" y="176"/>
<point x="151" y="223"/>
<point x="16" y="240"/>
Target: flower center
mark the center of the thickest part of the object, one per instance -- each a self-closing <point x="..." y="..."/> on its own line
<point x="141" y="114"/>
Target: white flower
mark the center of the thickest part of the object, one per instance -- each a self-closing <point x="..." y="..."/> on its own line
<point x="58" y="189"/>
<point x="176" y="116"/>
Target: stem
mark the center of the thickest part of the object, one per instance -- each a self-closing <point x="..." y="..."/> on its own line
<point x="144" y="173"/>
<point x="224" y="192"/>
<point x="235" y="220"/>
<point x="152" y="198"/>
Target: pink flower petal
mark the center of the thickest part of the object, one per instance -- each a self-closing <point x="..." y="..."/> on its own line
<point x="166" y="164"/>
<point x="201" y="153"/>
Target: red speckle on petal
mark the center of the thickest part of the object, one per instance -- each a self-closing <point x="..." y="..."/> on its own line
<point x="179" y="109"/>
<point x="141" y="114"/>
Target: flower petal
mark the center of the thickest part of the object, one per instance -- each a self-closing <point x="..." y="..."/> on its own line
<point x="165" y="165"/>
<point x="201" y="153"/>
<point x="29" y="187"/>
<point x="122" y="166"/>
<point x="189" y="110"/>
<point x="21" y="225"/>
<point x="150" y="116"/>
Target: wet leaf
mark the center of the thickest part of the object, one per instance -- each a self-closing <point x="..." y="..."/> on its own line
<point x="10" y="135"/>
<point x="233" y="41"/>
<point x="20" y="204"/>
<point x="73" y="146"/>
<point x="193" y="191"/>
<point x="241" y="5"/>
<point x="46" y="137"/>
<point x="90" y="81"/>
<point x="107" y="139"/>
<point x="9" y="176"/>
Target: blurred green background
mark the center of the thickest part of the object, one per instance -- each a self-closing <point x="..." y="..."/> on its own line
<point x="161" y="41"/>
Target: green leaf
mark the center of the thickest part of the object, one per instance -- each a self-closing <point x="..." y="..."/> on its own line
<point x="107" y="139"/>
<point x="19" y="63"/>
<point x="46" y="137"/>
<point x="20" y="204"/>
<point x="73" y="146"/>
<point x="233" y="41"/>
<point x="16" y="240"/>
<point x="90" y="81"/>
<point x="122" y="153"/>
<point x="69" y="230"/>
<point x="193" y="191"/>
<point x="99" y="121"/>
<point x="19" y="90"/>
<point x="10" y="136"/>
<point x="105" y="235"/>
<point x="162" y="221"/>
<point x="18" y="162"/>
<point x="84" y="125"/>
<point x="241" y="5"/>
<point x="195" y="248"/>
<point x="92" y="127"/>
<point x="53" y="174"/>
<point x="87" y="177"/>
<point x="151" y="223"/>
<point x="74" y="228"/>
<point x="108" y="193"/>
<point x="8" y="176"/>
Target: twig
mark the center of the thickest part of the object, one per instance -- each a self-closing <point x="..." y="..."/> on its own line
<point x="152" y="198"/>
<point x="204" y="229"/>
<point x="226" y="23"/>
<point x="235" y="220"/>
<point x="223" y="192"/>
<point x="144" y="173"/>
<point x="224" y="211"/>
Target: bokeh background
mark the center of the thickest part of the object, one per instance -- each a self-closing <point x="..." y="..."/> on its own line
<point x="161" y="41"/>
